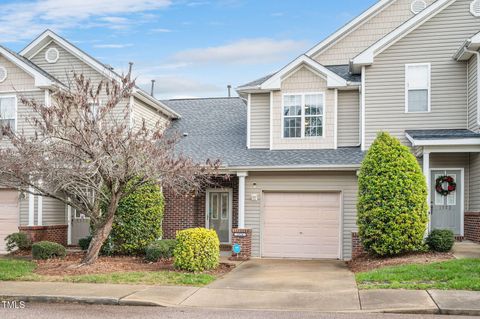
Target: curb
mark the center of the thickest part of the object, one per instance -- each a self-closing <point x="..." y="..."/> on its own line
<point x="65" y="299"/>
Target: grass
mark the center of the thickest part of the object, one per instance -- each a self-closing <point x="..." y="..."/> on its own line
<point x="463" y="274"/>
<point x="20" y="270"/>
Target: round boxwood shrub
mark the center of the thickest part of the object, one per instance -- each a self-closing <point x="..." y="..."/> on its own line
<point x="441" y="240"/>
<point x="84" y="243"/>
<point x="392" y="200"/>
<point x="18" y="241"/>
<point x="47" y="250"/>
<point x="138" y="221"/>
<point x="160" y="249"/>
<point x="198" y="249"/>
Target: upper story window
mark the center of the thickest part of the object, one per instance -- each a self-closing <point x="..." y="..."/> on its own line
<point x="8" y="112"/>
<point x="417" y="90"/>
<point x="303" y="115"/>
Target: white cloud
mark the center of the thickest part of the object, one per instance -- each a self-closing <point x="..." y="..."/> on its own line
<point x="161" y="30"/>
<point x="245" y="51"/>
<point x="23" y="20"/>
<point x="112" y="46"/>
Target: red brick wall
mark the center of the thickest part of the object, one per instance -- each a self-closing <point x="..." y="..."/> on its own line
<point x="357" y="248"/>
<point x="56" y="234"/>
<point x="187" y="211"/>
<point x="243" y="237"/>
<point x="472" y="226"/>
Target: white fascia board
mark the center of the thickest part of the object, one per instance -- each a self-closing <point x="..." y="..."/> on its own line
<point x="350" y="26"/>
<point x="40" y="79"/>
<point x="367" y="57"/>
<point x="444" y="142"/>
<point x="295" y="168"/>
<point x="333" y="80"/>
<point x="150" y="100"/>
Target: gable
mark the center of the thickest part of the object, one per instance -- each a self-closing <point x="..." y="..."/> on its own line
<point x="303" y="79"/>
<point x="17" y="79"/>
<point x="387" y="19"/>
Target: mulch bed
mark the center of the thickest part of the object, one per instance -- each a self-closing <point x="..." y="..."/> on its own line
<point x="68" y="266"/>
<point x="366" y="262"/>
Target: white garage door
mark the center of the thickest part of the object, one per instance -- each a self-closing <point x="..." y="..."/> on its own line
<point x="301" y="225"/>
<point x="8" y="215"/>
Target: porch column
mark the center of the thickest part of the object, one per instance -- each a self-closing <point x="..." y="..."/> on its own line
<point x="241" y="198"/>
<point x="426" y="172"/>
<point x="31" y="208"/>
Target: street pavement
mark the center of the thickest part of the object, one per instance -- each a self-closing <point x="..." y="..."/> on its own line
<point x="80" y="311"/>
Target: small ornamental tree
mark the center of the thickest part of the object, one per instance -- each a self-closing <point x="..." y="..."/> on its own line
<point x="392" y="200"/>
<point x="85" y="153"/>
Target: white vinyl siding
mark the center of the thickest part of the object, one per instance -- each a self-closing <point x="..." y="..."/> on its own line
<point x="348" y="118"/>
<point x="259" y="182"/>
<point x="417" y="87"/>
<point x="434" y="42"/>
<point x="143" y="111"/>
<point x="17" y="80"/>
<point x="260" y="120"/>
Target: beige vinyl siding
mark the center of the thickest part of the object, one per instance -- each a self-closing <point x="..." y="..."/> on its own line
<point x="300" y="81"/>
<point x="474" y="182"/>
<point x="143" y="111"/>
<point x="366" y="34"/>
<point x="53" y="211"/>
<point x="346" y="182"/>
<point x="17" y="79"/>
<point x="260" y="120"/>
<point x="23" y="203"/>
<point x="348" y="118"/>
<point x="454" y="160"/>
<point x="433" y="42"/>
<point x="473" y="94"/>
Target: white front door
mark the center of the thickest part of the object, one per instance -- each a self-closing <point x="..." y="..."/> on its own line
<point x="219" y="213"/>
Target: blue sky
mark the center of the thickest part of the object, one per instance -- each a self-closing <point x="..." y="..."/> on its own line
<point x="192" y="48"/>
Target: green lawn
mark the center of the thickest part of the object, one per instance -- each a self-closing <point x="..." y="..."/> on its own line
<point x="11" y="269"/>
<point x="463" y="274"/>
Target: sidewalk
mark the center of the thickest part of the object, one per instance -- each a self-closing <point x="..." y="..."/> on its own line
<point x="394" y="301"/>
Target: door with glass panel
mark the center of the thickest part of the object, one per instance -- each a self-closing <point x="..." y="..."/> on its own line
<point x="219" y="213"/>
<point x="447" y="207"/>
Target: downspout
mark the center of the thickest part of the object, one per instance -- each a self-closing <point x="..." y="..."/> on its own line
<point x="478" y="82"/>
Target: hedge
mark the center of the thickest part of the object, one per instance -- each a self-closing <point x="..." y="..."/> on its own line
<point x="47" y="250"/>
<point x="441" y="240"/>
<point x="161" y="249"/>
<point x="198" y="249"/>
<point x="19" y="241"/>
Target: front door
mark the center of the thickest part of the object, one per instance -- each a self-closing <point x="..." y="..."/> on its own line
<point x="80" y="226"/>
<point x="447" y="209"/>
<point x="219" y="213"/>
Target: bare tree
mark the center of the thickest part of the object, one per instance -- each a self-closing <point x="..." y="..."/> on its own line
<point x="85" y="154"/>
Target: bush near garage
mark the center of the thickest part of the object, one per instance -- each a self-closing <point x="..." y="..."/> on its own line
<point x="198" y="249"/>
<point x="392" y="199"/>
<point x="18" y="241"/>
<point x="137" y="223"/>
<point x="47" y="250"/>
<point x="160" y="249"/>
<point x="441" y="240"/>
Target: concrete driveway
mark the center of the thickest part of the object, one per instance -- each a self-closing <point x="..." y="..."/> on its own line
<point x="282" y="284"/>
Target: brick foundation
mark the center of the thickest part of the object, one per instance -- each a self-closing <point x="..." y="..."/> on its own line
<point x="357" y="248"/>
<point x="187" y="211"/>
<point x="472" y="226"/>
<point x="56" y="233"/>
<point x="243" y="237"/>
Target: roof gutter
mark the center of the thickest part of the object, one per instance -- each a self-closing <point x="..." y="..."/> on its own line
<point x="293" y="168"/>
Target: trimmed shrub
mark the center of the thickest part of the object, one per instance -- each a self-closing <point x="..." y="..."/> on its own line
<point x="441" y="240"/>
<point x="392" y="200"/>
<point x="18" y="241"/>
<point x="198" y="249"/>
<point x="84" y="242"/>
<point x="161" y="249"/>
<point x="137" y="223"/>
<point x="47" y="250"/>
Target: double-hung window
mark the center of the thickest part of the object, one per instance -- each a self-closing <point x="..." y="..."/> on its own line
<point x="417" y="90"/>
<point x="303" y="115"/>
<point x="8" y="110"/>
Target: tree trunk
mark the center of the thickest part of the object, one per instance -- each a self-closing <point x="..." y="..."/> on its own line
<point x="102" y="231"/>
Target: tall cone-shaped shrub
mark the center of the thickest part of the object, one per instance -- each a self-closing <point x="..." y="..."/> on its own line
<point x="392" y="202"/>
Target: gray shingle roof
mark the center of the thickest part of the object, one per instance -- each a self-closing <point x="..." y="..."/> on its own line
<point x="442" y="134"/>
<point x="217" y="129"/>
<point x="341" y="70"/>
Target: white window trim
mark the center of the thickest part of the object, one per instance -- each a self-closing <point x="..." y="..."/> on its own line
<point x="54" y="60"/>
<point x="429" y="87"/>
<point x="303" y="137"/>
<point x="16" y="108"/>
<point x="6" y="74"/>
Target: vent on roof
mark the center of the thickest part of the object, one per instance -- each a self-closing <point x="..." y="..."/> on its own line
<point x="475" y="8"/>
<point x="418" y="6"/>
<point x="3" y="74"/>
<point x="52" y="55"/>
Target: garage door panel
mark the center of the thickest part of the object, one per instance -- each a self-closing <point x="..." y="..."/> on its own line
<point x="8" y="215"/>
<point x="301" y="225"/>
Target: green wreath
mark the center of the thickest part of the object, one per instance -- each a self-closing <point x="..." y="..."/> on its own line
<point x="451" y="185"/>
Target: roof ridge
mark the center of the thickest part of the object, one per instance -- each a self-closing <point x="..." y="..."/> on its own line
<point x="204" y="98"/>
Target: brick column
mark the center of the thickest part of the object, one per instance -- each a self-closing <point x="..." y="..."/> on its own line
<point x="357" y="248"/>
<point x="472" y="226"/>
<point x="242" y="237"/>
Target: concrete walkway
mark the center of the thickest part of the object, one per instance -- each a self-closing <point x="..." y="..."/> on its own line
<point x="466" y="249"/>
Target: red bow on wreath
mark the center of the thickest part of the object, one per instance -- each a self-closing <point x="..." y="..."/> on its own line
<point x="451" y="185"/>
